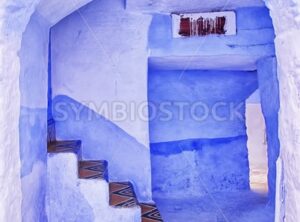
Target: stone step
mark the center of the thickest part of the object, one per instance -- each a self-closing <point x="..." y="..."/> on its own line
<point x="122" y="195"/>
<point x="150" y="213"/>
<point x="93" y="169"/>
<point x="67" y="146"/>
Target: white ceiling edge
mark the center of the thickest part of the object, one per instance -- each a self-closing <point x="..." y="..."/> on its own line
<point x="170" y="6"/>
<point x="55" y="10"/>
<point x="217" y="62"/>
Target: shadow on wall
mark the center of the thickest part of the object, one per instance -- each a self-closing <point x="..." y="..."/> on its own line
<point x="269" y="93"/>
<point x="128" y="160"/>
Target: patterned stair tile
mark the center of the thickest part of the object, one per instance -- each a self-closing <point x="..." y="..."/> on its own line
<point x="71" y="146"/>
<point x="122" y="195"/>
<point x="150" y="213"/>
<point x="96" y="169"/>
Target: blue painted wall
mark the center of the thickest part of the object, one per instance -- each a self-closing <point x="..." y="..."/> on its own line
<point x="208" y="87"/>
<point x="128" y="160"/>
<point x="255" y="37"/>
<point x="192" y="157"/>
<point x="268" y="85"/>
<point x="254" y="40"/>
<point x="100" y="56"/>
<point x="33" y="118"/>
<point x="196" y="167"/>
<point x="91" y="62"/>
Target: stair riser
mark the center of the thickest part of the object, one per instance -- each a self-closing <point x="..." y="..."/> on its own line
<point x="69" y="198"/>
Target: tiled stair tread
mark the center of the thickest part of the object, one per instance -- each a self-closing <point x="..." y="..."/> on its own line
<point x="93" y="169"/>
<point x="122" y="195"/>
<point x="150" y="213"/>
<point x="64" y="146"/>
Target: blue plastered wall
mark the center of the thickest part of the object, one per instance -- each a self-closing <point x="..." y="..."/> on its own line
<point x="254" y="38"/>
<point x="33" y="118"/>
<point x="99" y="55"/>
<point x="193" y="156"/>
<point x="269" y="93"/>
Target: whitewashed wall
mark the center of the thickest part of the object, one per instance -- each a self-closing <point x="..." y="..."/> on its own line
<point x="14" y="16"/>
<point x="286" y="19"/>
<point x="33" y="117"/>
<point x="100" y="56"/>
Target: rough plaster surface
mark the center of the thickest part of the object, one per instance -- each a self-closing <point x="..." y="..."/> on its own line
<point x="90" y="63"/>
<point x="55" y="10"/>
<point x="289" y="72"/>
<point x="14" y="16"/>
<point x="217" y="207"/>
<point x="254" y="40"/>
<point x="34" y="191"/>
<point x="73" y="199"/>
<point x="195" y="168"/>
<point x="128" y="159"/>
<point x="268" y="85"/>
<point x="16" y="13"/>
<point x="286" y="20"/>
<point x="101" y="210"/>
<point x="33" y="149"/>
<point x="189" y="5"/>
<point x="62" y="200"/>
<point x="33" y="117"/>
<point x="190" y="156"/>
<point x="192" y="87"/>
<point x="34" y="63"/>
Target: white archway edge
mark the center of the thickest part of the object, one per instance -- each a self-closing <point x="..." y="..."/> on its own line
<point x="168" y="6"/>
<point x="15" y="15"/>
<point x="286" y="19"/>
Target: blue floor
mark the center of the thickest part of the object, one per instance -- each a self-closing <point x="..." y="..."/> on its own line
<point x="218" y="207"/>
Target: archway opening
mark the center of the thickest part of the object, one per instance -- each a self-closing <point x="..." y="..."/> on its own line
<point x="43" y="134"/>
<point x="193" y="175"/>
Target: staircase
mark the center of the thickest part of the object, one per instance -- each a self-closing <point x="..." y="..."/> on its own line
<point x="79" y="190"/>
